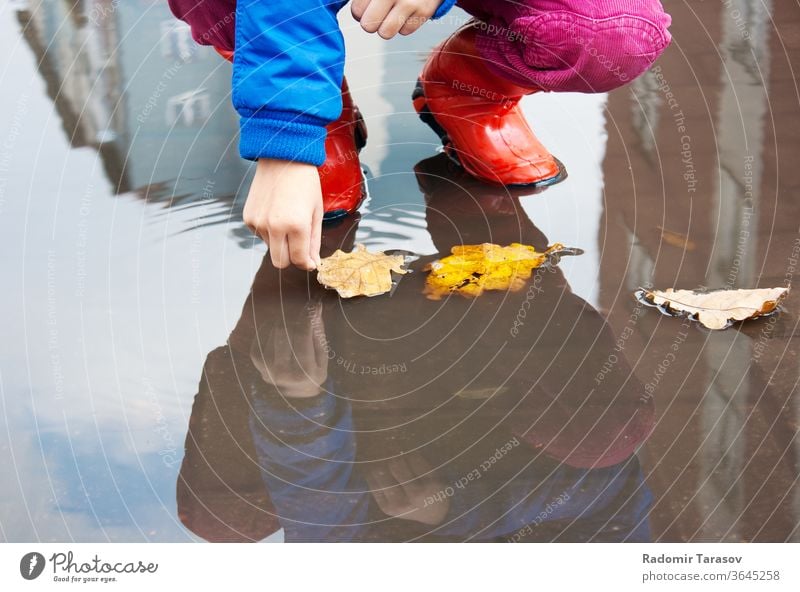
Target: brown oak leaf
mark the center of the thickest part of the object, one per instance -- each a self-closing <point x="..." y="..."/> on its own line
<point x="359" y="273"/>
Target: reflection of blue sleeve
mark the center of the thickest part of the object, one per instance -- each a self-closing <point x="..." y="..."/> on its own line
<point x="608" y="504"/>
<point x="623" y="518"/>
<point x="306" y="449"/>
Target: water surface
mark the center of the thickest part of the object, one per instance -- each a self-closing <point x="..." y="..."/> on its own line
<point x="152" y="356"/>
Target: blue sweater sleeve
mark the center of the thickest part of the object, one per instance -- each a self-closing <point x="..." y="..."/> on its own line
<point x="287" y="76"/>
<point x="443" y="9"/>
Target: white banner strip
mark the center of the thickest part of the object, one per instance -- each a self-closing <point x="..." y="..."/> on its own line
<point x="390" y="567"/>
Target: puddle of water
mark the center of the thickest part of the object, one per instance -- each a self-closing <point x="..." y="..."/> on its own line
<point x="156" y="370"/>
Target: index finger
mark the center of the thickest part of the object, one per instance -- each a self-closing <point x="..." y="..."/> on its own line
<point x="299" y="248"/>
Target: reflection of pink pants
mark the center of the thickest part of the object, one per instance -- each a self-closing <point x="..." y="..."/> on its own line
<point x="560" y="45"/>
<point x="570" y="45"/>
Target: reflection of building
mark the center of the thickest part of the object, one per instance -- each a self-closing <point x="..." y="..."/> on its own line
<point x="693" y="153"/>
<point x="127" y="79"/>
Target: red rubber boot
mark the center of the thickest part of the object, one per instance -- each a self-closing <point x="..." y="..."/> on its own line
<point x="477" y="115"/>
<point x="343" y="185"/>
<point x="341" y="177"/>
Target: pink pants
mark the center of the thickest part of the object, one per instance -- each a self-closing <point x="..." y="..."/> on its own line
<point x="570" y="45"/>
<point x="557" y="45"/>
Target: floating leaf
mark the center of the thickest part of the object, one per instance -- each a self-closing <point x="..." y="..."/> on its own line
<point x="481" y="394"/>
<point x="359" y="273"/>
<point x="717" y="309"/>
<point x="676" y="239"/>
<point x="471" y="269"/>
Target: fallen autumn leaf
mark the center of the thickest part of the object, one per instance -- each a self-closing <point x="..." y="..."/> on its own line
<point x="717" y="309"/>
<point x="676" y="239"/>
<point x="472" y="269"/>
<point x="360" y="272"/>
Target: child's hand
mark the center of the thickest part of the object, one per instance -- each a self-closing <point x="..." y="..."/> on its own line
<point x="284" y="208"/>
<point x="390" y="17"/>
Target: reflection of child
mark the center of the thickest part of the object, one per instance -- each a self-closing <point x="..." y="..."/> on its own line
<point x="297" y="115"/>
<point x="307" y="453"/>
<point x="548" y="456"/>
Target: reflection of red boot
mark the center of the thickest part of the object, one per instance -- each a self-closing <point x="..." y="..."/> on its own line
<point x="477" y="115"/>
<point x="341" y="178"/>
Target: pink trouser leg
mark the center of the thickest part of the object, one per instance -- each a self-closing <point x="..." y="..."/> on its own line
<point x="570" y="45"/>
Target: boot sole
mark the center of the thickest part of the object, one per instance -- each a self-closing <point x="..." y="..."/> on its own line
<point x="338" y="214"/>
<point x="426" y="116"/>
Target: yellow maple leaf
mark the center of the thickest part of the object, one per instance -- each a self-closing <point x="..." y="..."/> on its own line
<point x="359" y="273"/>
<point x="717" y="309"/>
<point x="471" y="269"/>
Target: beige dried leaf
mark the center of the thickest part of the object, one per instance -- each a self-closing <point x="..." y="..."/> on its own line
<point x="717" y="309"/>
<point x="359" y="273"/>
